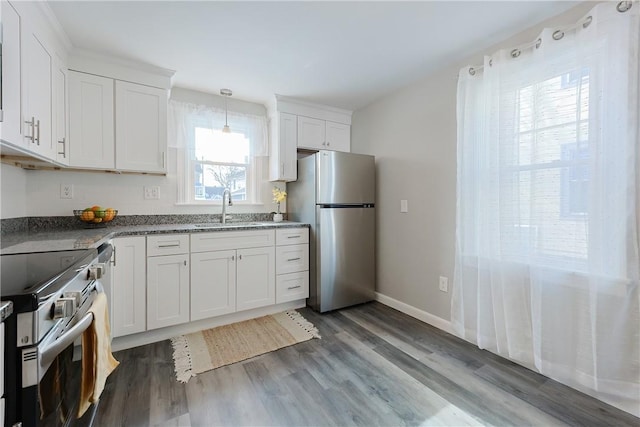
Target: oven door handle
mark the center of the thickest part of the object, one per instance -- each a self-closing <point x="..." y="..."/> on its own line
<point x="49" y="353"/>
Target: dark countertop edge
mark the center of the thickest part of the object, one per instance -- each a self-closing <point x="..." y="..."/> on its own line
<point x="6" y="309"/>
<point x="103" y="235"/>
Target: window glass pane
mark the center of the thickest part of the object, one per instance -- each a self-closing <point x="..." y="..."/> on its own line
<point x="216" y="146"/>
<point x="210" y="180"/>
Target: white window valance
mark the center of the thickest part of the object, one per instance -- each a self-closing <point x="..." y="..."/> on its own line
<point x="183" y="116"/>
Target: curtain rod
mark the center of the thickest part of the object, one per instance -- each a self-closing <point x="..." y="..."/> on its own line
<point x="621" y="7"/>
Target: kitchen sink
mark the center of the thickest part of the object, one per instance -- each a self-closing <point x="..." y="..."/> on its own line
<point x="229" y="224"/>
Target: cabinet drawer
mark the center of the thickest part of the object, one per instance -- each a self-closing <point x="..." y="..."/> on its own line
<point x="292" y="236"/>
<point x="168" y="244"/>
<point x="292" y="286"/>
<point x="292" y="258"/>
<point x="223" y="240"/>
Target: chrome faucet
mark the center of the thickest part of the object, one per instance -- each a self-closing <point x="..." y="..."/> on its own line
<point x="226" y="193"/>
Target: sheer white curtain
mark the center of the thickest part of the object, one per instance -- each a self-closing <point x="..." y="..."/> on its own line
<point x="547" y="262"/>
<point x="182" y="119"/>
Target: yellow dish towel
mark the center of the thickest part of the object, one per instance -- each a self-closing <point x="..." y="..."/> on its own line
<point x="97" y="360"/>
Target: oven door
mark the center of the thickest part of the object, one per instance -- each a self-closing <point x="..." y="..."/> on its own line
<point x="50" y="391"/>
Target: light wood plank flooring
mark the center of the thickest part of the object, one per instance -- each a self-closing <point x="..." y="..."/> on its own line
<point x="374" y="366"/>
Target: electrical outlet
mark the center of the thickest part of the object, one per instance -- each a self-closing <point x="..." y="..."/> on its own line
<point x="66" y="191"/>
<point x="152" y="192"/>
<point x="404" y="206"/>
<point x="444" y="284"/>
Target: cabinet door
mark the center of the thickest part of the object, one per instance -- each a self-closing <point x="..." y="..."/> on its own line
<point x="256" y="282"/>
<point x="338" y="136"/>
<point x="91" y="127"/>
<point x="213" y="284"/>
<point x="311" y="133"/>
<point x="284" y="144"/>
<point x="167" y="291"/>
<point x="37" y="69"/>
<point x="129" y="303"/>
<point x="11" y="76"/>
<point x="60" y="112"/>
<point x="141" y="128"/>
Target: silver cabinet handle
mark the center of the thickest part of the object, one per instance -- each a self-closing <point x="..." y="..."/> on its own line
<point x="172" y="245"/>
<point x="37" y="125"/>
<point x="240" y="257"/>
<point x="113" y="257"/>
<point x="31" y="123"/>
<point x="233" y="257"/>
<point x="294" y="259"/>
<point x="294" y="287"/>
<point x="293" y="237"/>
<point x="185" y="262"/>
<point x="64" y="147"/>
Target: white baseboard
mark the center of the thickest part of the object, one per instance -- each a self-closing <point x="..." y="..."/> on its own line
<point x="148" y="337"/>
<point x="414" y="312"/>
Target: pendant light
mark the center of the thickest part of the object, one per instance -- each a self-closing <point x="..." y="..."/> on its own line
<point x="226" y="93"/>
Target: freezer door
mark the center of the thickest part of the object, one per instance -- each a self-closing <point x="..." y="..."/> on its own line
<point x="345" y="257"/>
<point x="345" y="178"/>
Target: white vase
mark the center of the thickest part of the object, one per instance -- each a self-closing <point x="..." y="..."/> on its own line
<point x="277" y="217"/>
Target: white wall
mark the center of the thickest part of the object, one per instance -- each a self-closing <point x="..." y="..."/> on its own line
<point x="13" y="187"/>
<point x="412" y="133"/>
<point x="125" y="191"/>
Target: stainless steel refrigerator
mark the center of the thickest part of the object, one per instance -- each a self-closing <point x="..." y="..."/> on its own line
<point x="335" y="193"/>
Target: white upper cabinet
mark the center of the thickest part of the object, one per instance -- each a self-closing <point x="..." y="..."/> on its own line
<point x="91" y="123"/>
<point x="11" y="125"/>
<point x="33" y="83"/>
<point x="116" y="125"/>
<point x="338" y="136"/>
<point x="61" y="111"/>
<point x="141" y="128"/>
<point x="283" y="164"/>
<point x="316" y="134"/>
<point x="37" y="70"/>
<point x="311" y="133"/>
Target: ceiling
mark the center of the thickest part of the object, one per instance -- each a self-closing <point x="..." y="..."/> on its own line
<point x="344" y="54"/>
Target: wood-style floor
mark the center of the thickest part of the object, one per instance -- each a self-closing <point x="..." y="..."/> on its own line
<point x="374" y="366"/>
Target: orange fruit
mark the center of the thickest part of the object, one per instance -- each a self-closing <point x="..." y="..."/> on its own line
<point x="87" y="216"/>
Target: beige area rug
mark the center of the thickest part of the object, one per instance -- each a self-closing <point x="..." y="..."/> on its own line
<point x="210" y="349"/>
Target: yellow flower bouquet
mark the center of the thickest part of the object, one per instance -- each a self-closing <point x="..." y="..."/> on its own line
<point x="279" y="196"/>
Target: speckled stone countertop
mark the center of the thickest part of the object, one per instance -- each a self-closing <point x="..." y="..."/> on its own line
<point x="60" y="240"/>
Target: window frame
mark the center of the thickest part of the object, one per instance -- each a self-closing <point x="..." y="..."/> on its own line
<point x="253" y="170"/>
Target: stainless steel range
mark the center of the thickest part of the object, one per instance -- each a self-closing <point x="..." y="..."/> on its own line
<point x="51" y="293"/>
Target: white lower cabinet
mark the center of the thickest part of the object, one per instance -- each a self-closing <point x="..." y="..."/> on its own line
<point x="292" y="264"/>
<point x="129" y="284"/>
<point x="167" y="290"/>
<point x="256" y="278"/>
<point x="213" y="284"/>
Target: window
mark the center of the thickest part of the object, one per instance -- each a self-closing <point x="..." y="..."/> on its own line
<point x="547" y="169"/>
<point x="209" y="161"/>
<point x="221" y="161"/>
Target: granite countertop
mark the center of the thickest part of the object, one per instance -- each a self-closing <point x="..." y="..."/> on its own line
<point x="43" y="241"/>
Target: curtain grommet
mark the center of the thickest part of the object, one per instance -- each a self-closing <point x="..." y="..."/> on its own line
<point x="623" y="6"/>
<point x="515" y="53"/>
<point x="538" y="43"/>
<point x="472" y="71"/>
<point x="557" y="35"/>
<point x="587" y="21"/>
<point x="491" y="62"/>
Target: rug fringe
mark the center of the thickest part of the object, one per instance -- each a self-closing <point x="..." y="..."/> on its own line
<point x="303" y="323"/>
<point x="182" y="362"/>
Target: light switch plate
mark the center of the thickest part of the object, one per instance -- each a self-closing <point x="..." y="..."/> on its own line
<point x="444" y="284"/>
<point x="404" y="206"/>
